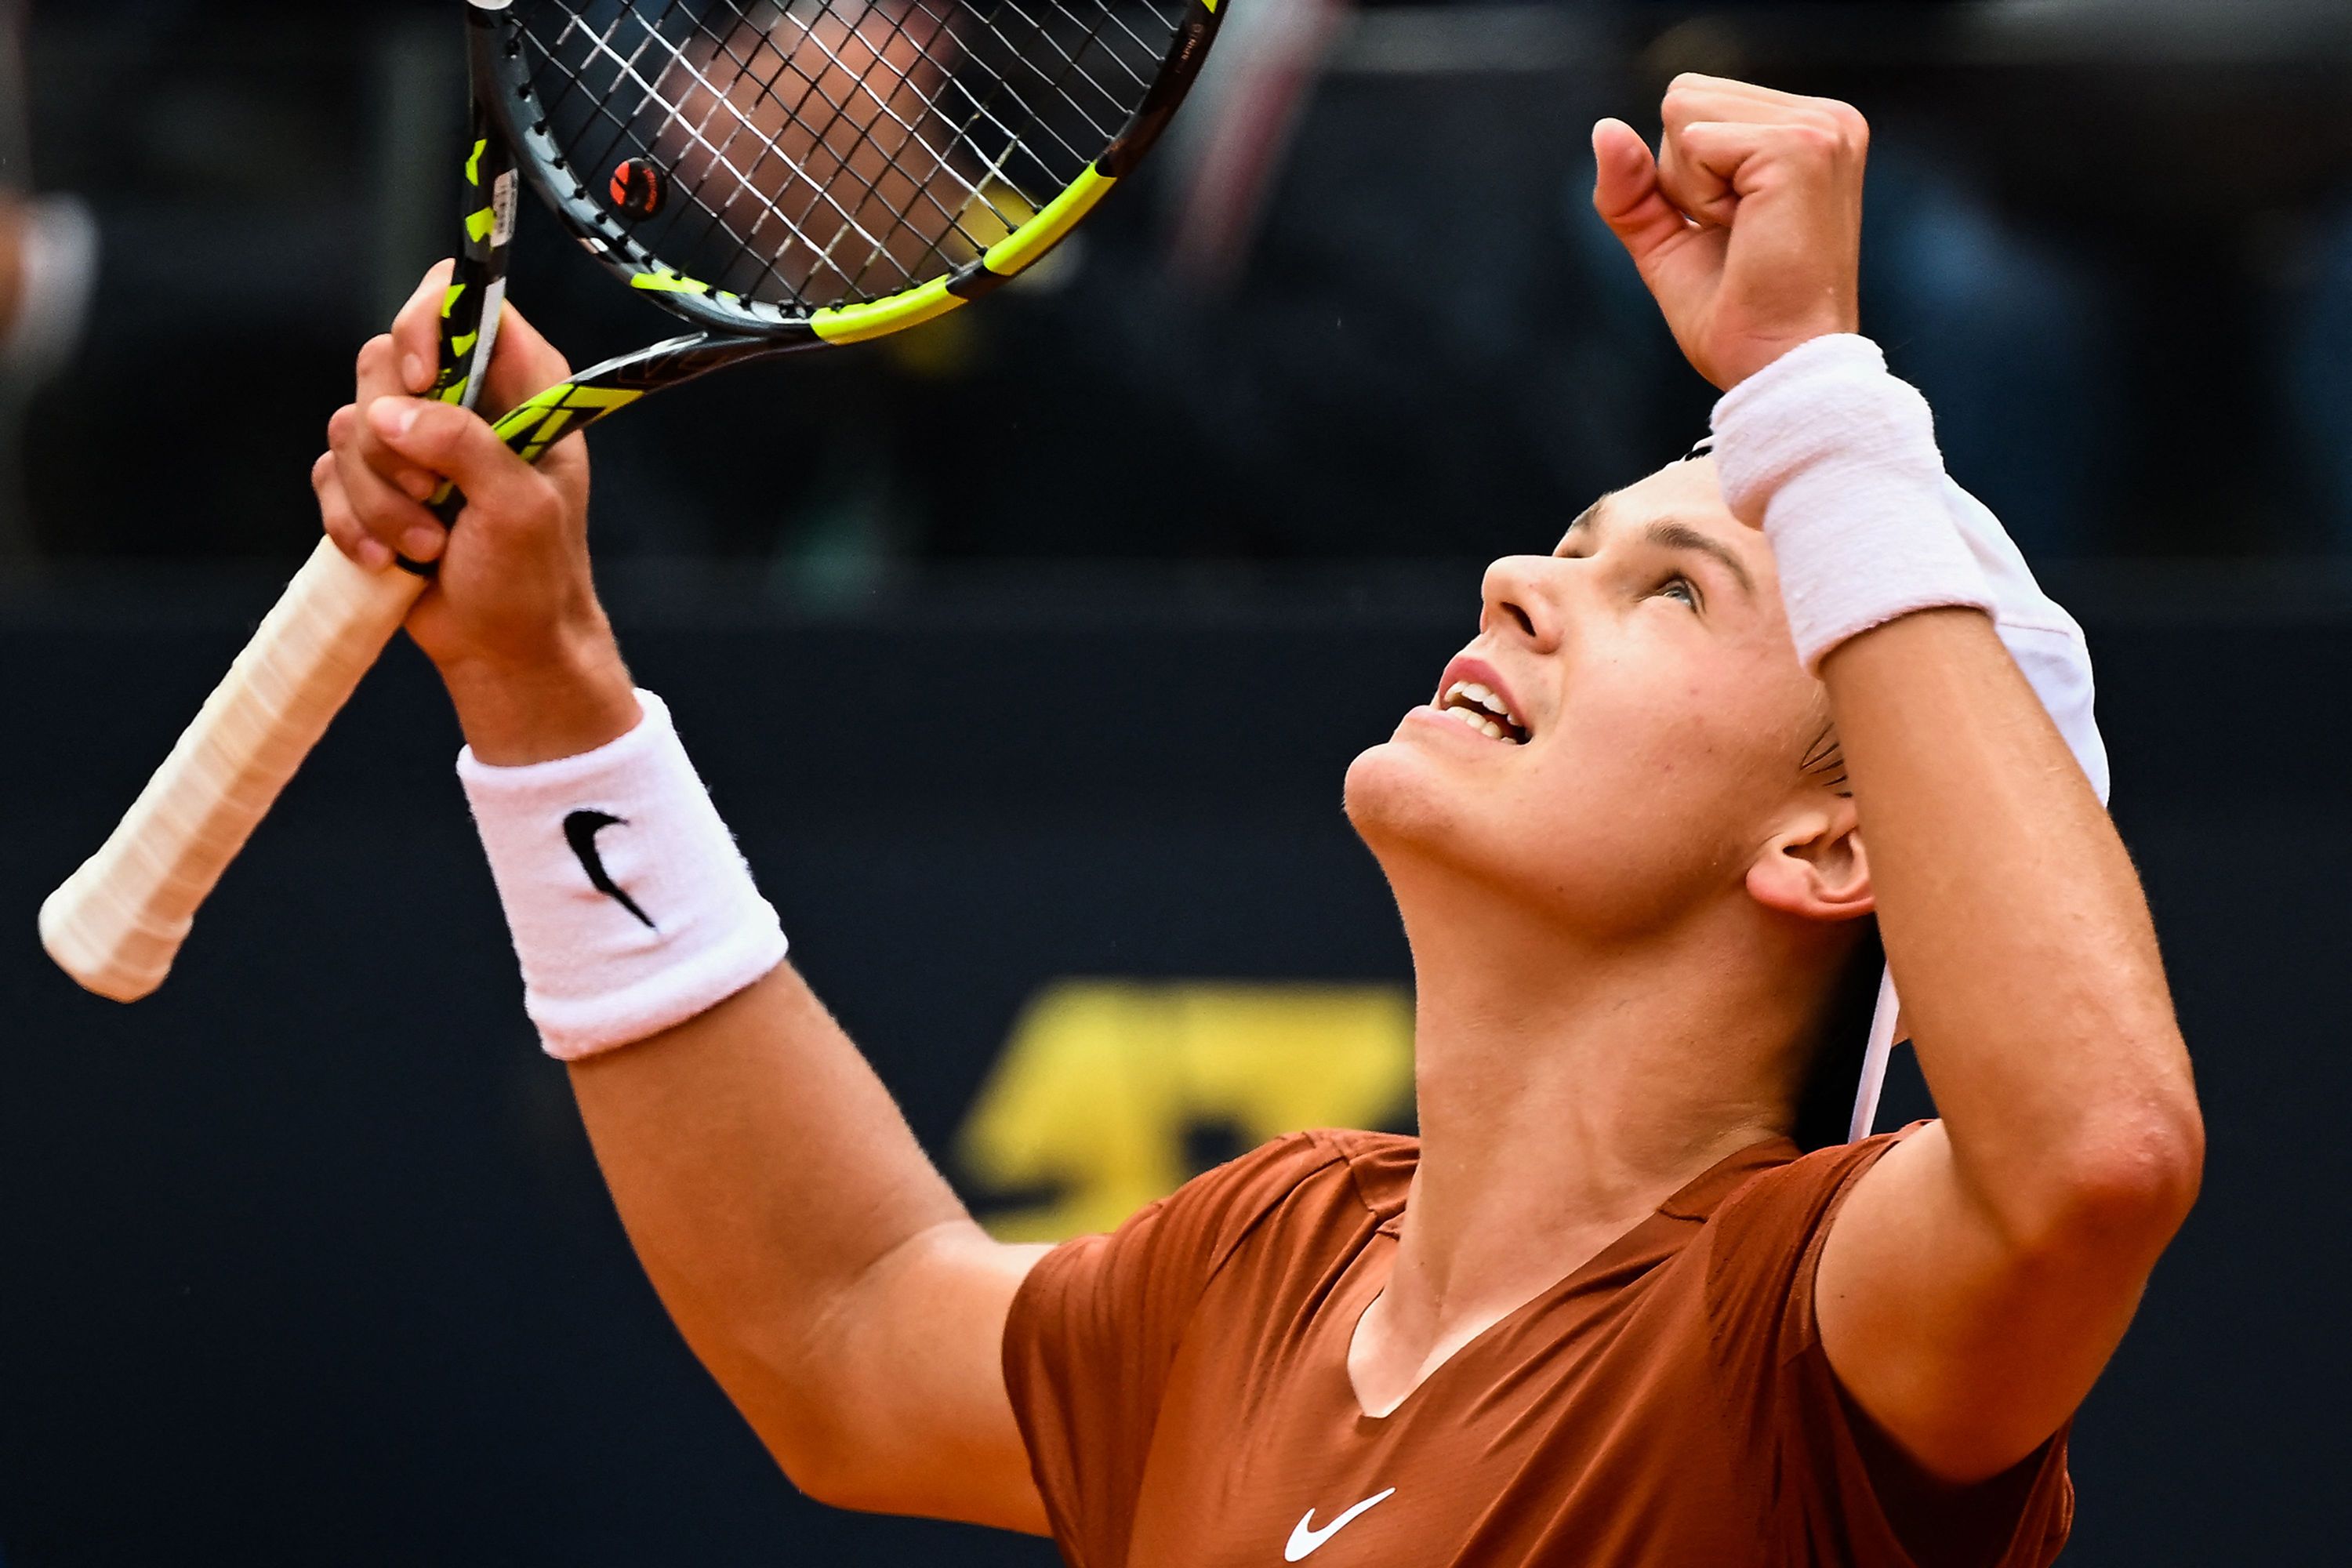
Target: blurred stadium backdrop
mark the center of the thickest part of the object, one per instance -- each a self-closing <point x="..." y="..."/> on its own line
<point x="306" y="1261"/>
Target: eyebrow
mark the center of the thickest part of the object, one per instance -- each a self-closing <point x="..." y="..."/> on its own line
<point x="1669" y="535"/>
<point x="1679" y="536"/>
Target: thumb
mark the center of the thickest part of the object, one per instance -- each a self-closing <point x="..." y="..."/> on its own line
<point x="1626" y="193"/>
<point x="459" y="445"/>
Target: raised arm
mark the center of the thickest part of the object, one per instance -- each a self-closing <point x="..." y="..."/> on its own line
<point x="812" y="1257"/>
<point x="1982" y="1274"/>
<point x="1979" y="1275"/>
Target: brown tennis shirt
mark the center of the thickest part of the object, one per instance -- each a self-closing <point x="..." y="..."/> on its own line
<point x="1183" y="1388"/>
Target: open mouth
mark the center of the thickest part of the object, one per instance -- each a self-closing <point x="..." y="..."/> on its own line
<point x="1478" y="707"/>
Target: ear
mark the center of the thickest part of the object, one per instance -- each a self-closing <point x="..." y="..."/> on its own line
<point x="1814" y="867"/>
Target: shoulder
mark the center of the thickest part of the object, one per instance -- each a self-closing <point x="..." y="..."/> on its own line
<point x="1291" y="1200"/>
<point x="1290" y="1196"/>
<point x="1305" y="1180"/>
<point x="1099" y="1323"/>
<point x="1806" y="1188"/>
<point x="1763" y="1240"/>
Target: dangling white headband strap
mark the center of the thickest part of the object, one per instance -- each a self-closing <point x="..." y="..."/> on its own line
<point x="1837" y="458"/>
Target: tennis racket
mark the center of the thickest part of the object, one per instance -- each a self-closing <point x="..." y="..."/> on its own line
<point x="778" y="176"/>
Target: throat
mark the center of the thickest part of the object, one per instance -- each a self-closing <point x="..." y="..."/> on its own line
<point x="1385" y="1368"/>
<point x="1410" y="1330"/>
<point x="1484" y="1241"/>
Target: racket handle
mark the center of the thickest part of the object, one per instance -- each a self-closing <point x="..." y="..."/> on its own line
<point x="116" y="924"/>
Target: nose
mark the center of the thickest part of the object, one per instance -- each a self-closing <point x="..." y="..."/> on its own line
<point x="1522" y="595"/>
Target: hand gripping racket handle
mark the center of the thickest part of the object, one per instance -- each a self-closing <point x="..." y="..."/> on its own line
<point x="116" y="924"/>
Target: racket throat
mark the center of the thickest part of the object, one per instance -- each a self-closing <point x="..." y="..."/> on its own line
<point x="477" y="369"/>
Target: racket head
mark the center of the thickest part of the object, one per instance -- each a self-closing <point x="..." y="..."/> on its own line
<point x="827" y="171"/>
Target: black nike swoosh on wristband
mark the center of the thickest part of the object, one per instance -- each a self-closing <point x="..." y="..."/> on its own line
<point x="580" y="830"/>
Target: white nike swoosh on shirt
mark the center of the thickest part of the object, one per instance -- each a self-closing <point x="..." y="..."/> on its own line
<point x="1305" y="1537"/>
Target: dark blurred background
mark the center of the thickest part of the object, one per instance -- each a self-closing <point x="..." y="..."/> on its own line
<point x="305" y="1259"/>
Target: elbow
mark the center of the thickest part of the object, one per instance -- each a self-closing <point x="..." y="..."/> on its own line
<point x="825" y="1460"/>
<point x="858" y="1475"/>
<point x="828" y="1475"/>
<point x="2126" y="1184"/>
<point x="799" y="1417"/>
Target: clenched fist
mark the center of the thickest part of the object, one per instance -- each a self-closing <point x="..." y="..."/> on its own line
<point x="511" y="619"/>
<point x="1747" y="224"/>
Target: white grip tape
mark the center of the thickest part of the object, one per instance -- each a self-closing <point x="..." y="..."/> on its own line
<point x="116" y="924"/>
<point x="1836" y="459"/>
<point x="631" y="907"/>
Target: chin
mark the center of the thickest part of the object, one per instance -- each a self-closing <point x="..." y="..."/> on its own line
<point x="1418" y="816"/>
<point x="1395" y="798"/>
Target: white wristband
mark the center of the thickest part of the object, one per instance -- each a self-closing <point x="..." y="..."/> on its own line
<point x="1837" y="459"/>
<point x="631" y="907"/>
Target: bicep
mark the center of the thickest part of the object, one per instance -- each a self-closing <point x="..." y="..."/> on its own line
<point x="917" y="1353"/>
<point x="1966" y="1347"/>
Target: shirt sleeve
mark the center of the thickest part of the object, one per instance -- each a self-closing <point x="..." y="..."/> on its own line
<point x="1846" y="1494"/>
<point x="1095" y="1327"/>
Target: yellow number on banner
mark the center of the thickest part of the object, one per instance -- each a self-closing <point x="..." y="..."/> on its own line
<point x="1103" y="1081"/>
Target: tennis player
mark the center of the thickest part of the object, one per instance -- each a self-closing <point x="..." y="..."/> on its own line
<point x="1753" y="711"/>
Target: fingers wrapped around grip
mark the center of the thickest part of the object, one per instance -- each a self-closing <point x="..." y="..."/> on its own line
<point x="341" y="520"/>
<point x="415" y="336"/>
<point x="391" y="449"/>
<point x="381" y="490"/>
<point x="374" y="381"/>
<point x="522" y="363"/>
<point x="502" y="491"/>
<point x="372" y="519"/>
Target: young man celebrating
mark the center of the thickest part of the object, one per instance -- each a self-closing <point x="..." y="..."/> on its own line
<point x="1751" y="710"/>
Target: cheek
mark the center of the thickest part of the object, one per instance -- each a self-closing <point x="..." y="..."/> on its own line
<point x="1663" y="768"/>
<point x="1643" y="727"/>
<point x="1640" y="797"/>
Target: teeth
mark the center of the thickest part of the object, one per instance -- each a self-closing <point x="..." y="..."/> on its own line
<point x="1475" y="721"/>
<point x="1486" y="699"/>
<point x="1477" y="692"/>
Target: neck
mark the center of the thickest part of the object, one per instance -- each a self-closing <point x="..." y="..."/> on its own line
<point x="1567" y="1086"/>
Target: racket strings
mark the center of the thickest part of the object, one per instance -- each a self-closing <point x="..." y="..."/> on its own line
<point x="831" y="152"/>
<point x="941" y="218"/>
<point x="826" y="197"/>
<point x="653" y="95"/>
<point x="626" y="130"/>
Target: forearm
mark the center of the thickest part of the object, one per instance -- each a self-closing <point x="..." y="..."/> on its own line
<point x="763" y="1173"/>
<point x="760" y="1168"/>
<point x="2029" y="974"/>
<point x="812" y="1257"/>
